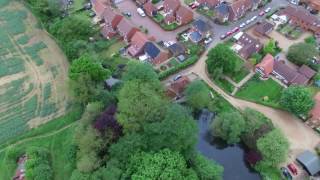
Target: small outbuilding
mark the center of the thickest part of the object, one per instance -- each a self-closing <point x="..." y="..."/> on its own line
<point x="310" y="161"/>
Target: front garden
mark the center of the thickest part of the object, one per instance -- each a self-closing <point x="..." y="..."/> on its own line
<point x="266" y="92"/>
<point x="290" y="31"/>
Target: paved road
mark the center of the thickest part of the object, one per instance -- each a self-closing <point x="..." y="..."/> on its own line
<point x="300" y="136"/>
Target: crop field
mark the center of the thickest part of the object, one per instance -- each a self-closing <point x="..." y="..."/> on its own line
<point x="33" y="73"/>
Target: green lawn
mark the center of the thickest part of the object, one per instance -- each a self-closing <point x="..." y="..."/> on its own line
<point x="158" y="18"/>
<point x="114" y="48"/>
<point x="237" y="77"/>
<point x="173" y="62"/>
<point x="169" y="27"/>
<point x="225" y="85"/>
<point x="59" y="146"/>
<point x="256" y="90"/>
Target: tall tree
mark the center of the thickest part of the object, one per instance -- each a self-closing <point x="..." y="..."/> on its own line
<point x="274" y="148"/>
<point x="138" y="104"/>
<point x="206" y="169"/>
<point x="86" y="65"/>
<point x="270" y="48"/>
<point x="177" y="131"/>
<point x="197" y="95"/>
<point x="223" y="57"/>
<point x="229" y="126"/>
<point x="301" y="53"/>
<point x="297" y="99"/>
<point x="166" y="164"/>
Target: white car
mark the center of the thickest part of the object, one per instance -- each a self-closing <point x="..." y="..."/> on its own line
<point x="242" y="25"/>
<point x="208" y="41"/>
<point x="267" y="10"/>
<point x="141" y="12"/>
<point x="253" y="18"/>
<point x="248" y="21"/>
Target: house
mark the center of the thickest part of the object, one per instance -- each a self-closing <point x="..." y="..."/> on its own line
<point x="126" y="30"/>
<point x="314" y="120"/>
<point x="238" y="9"/>
<point x="169" y="19"/>
<point x="176" y="88"/>
<point x="171" y="6"/>
<point x="290" y="76"/>
<point x="138" y="42"/>
<point x="265" y="67"/>
<point x="209" y="3"/>
<point x="301" y="17"/>
<point x="111" y="20"/>
<point x="222" y="13"/>
<point x="313" y="4"/>
<point x="307" y="71"/>
<point x="247" y="46"/>
<point x="150" y="9"/>
<point x="184" y="15"/>
<point x="310" y="162"/>
<point x="203" y="28"/>
<point x="263" y="29"/>
<point x="99" y="7"/>
<point x="155" y="54"/>
<point x="177" y="49"/>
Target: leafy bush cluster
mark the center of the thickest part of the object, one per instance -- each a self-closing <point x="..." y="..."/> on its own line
<point x="38" y="164"/>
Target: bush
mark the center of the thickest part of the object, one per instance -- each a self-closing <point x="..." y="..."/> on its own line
<point x="38" y="164"/>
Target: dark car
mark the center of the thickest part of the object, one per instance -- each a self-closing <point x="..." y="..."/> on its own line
<point x="286" y="173"/>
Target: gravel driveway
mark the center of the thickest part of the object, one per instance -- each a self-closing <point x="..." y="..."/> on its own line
<point x="153" y="28"/>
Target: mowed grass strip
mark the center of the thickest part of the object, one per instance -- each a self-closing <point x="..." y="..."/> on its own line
<point x="266" y="92"/>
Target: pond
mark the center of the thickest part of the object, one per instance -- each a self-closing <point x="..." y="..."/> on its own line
<point x="230" y="157"/>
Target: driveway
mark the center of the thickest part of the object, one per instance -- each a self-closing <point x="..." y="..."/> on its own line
<point x="153" y="28"/>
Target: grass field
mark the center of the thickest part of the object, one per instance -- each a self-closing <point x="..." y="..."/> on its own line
<point x="265" y="92"/>
<point x="33" y="73"/>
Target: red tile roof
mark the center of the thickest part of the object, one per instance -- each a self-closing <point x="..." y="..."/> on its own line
<point x="306" y="71"/>
<point x="99" y="7"/>
<point x="171" y="5"/>
<point x="111" y="18"/>
<point x="184" y="15"/>
<point x="126" y="30"/>
<point x="149" y="8"/>
<point x="266" y="65"/>
<point x="239" y="8"/>
<point x="138" y="41"/>
<point x="177" y="87"/>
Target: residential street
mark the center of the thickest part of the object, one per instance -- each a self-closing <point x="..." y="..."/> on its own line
<point x="300" y="136"/>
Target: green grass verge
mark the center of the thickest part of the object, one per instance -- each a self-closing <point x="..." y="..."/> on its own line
<point x="256" y="90"/>
<point x="225" y="85"/>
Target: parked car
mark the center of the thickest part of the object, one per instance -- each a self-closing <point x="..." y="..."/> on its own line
<point x="223" y="36"/>
<point x="293" y="169"/>
<point x="248" y="21"/>
<point x="128" y="14"/>
<point x="267" y="10"/>
<point x="253" y="18"/>
<point x="261" y="13"/>
<point x="177" y="77"/>
<point x="286" y="173"/>
<point x="236" y="29"/>
<point x="242" y="25"/>
<point x="208" y="41"/>
<point x="229" y="33"/>
<point x="141" y="12"/>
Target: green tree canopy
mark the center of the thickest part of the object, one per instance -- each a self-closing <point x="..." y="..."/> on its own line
<point x="177" y="131"/>
<point x="197" y="95"/>
<point x="206" y="169"/>
<point x="139" y="103"/>
<point x="223" y="57"/>
<point x="301" y="53"/>
<point x="297" y="99"/>
<point x="270" y="48"/>
<point x="141" y="71"/>
<point x="163" y="165"/>
<point x="86" y="65"/>
<point x="274" y="148"/>
<point x="229" y="126"/>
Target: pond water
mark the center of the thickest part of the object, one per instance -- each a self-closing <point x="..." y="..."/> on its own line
<point x="230" y="157"/>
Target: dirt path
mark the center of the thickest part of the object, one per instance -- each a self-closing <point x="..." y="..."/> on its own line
<point x="300" y="136"/>
<point x="7" y="79"/>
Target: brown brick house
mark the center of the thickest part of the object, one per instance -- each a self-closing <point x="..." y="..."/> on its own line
<point x="184" y="15"/>
<point x="238" y="9"/>
<point x="149" y="8"/>
<point x="111" y="20"/>
<point x="209" y="3"/>
<point x="249" y="46"/>
<point x="263" y="29"/>
<point x="138" y="42"/>
<point x="176" y="88"/>
<point x="99" y="7"/>
<point x="171" y="6"/>
<point x="126" y="30"/>
<point x="301" y="17"/>
<point x="265" y="67"/>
